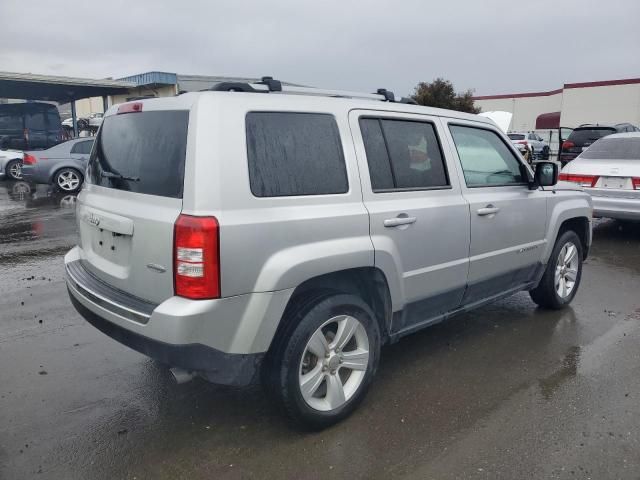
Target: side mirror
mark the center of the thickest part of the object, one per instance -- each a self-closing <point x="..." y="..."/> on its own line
<point x="546" y="174"/>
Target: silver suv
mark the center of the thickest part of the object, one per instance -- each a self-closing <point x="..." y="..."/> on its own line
<point x="250" y="232"/>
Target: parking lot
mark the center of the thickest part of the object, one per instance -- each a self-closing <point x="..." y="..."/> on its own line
<point x="508" y="391"/>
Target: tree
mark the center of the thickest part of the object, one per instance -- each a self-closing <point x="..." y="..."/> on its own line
<point x="441" y="94"/>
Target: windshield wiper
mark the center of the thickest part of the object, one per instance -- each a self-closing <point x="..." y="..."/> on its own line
<point x="118" y="176"/>
<point x="502" y="172"/>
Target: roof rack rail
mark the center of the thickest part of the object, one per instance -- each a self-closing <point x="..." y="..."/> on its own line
<point x="276" y="86"/>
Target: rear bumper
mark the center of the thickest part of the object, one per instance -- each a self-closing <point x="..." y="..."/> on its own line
<point x="222" y="340"/>
<point x="214" y="365"/>
<point x="609" y="205"/>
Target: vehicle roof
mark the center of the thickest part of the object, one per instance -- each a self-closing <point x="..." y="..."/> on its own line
<point x="27" y="106"/>
<point x="304" y="102"/>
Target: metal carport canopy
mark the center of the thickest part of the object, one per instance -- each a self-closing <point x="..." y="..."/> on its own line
<point x="28" y="86"/>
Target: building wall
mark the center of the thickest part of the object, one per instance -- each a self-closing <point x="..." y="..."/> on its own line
<point x="525" y="109"/>
<point x="158" y="91"/>
<point x="606" y="104"/>
<point x="614" y="101"/>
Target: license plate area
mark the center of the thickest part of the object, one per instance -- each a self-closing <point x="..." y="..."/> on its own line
<point x="614" y="182"/>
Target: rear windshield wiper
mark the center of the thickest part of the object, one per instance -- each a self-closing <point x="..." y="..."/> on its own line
<point x="118" y="176"/>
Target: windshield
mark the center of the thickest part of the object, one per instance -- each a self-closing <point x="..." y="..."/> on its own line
<point x="141" y="152"/>
<point x="516" y="136"/>
<point x="614" y="149"/>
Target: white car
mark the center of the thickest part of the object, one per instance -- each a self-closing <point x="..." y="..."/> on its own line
<point x="609" y="170"/>
<point x="528" y="140"/>
<point x="11" y="164"/>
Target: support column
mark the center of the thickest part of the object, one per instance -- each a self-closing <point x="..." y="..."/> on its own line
<point x="74" y="119"/>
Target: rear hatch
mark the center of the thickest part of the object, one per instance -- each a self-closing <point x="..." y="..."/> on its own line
<point x="582" y="138"/>
<point x="132" y="198"/>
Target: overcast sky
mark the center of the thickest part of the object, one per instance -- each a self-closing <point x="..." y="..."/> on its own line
<point x="492" y="46"/>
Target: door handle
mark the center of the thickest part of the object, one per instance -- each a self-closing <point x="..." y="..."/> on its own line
<point x="398" y="221"/>
<point x="488" y="210"/>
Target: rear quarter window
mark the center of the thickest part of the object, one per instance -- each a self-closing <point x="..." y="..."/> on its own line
<point x="292" y="154"/>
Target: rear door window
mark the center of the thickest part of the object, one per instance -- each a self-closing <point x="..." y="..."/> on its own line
<point x="294" y="154"/>
<point x="82" y="147"/>
<point x="141" y="152"/>
<point x="403" y="155"/>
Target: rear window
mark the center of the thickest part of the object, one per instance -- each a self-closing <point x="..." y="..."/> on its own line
<point x="581" y="136"/>
<point x="614" y="149"/>
<point x="142" y="153"/>
<point x="515" y="136"/>
<point x="294" y="154"/>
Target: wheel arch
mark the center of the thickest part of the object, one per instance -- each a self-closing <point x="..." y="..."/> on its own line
<point x="368" y="283"/>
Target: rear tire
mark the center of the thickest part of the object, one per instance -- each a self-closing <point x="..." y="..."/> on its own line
<point x="68" y="180"/>
<point x="14" y="170"/>
<point x="562" y="276"/>
<point x="321" y="367"/>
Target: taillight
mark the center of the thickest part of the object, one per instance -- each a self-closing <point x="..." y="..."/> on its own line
<point x="29" y="159"/>
<point x="196" y="257"/>
<point x="522" y="142"/>
<point x="566" y="145"/>
<point x="636" y="183"/>
<point x="584" y="180"/>
<point x="130" y="107"/>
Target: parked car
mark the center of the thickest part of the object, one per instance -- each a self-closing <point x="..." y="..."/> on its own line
<point x="537" y="148"/>
<point x="294" y="238"/>
<point x="11" y="164"/>
<point x="583" y="136"/>
<point x="29" y="126"/>
<point x="609" y="170"/>
<point x="62" y="166"/>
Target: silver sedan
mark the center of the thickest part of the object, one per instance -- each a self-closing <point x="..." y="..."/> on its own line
<point x="63" y="165"/>
<point x="609" y="170"/>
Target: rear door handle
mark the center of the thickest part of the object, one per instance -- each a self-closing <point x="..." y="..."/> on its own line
<point x="398" y="221"/>
<point x="488" y="210"/>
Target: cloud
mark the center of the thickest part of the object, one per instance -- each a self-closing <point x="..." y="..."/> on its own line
<point x="494" y="46"/>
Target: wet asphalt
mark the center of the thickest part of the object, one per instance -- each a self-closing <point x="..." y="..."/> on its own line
<point x="508" y="391"/>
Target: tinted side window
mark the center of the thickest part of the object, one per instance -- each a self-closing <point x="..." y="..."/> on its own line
<point x="486" y="160"/>
<point x="377" y="156"/>
<point x="36" y="120"/>
<point x="53" y="119"/>
<point x="82" y="147"/>
<point x="403" y="154"/>
<point x="294" y="154"/>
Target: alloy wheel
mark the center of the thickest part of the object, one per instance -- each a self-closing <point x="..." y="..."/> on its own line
<point x="334" y="363"/>
<point x="15" y="170"/>
<point x="566" y="272"/>
<point x="68" y="180"/>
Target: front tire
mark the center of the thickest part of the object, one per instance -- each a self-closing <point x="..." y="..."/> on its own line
<point x="562" y="276"/>
<point x="321" y="368"/>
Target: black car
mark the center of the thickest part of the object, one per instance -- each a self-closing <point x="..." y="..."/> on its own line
<point x="583" y="136"/>
<point x="29" y="126"/>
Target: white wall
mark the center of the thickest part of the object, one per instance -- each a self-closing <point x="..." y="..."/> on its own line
<point x="606" y="104"/>
<point x="525" y="109"/>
